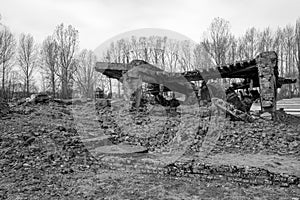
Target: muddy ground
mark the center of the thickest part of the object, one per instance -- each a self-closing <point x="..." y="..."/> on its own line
<point x="43" y="155"/>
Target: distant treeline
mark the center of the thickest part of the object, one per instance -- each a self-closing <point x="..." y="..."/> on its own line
<point x="67" y="71"/>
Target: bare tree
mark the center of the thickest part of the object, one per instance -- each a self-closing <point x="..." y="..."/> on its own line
<point x="172" y="54"/>
<point x="67" y="41"/>
<point x="240" y="53"/>
<point x="186" y="55"/>
<point x="297" y="49"/>
<point x="266" y="40"/>
<point x="202" y="59"/>
<point x="122" y="57"/>
<point x="125" y="50"/>
<point x="7" y="51"/>
<point x="143" y="44"/>
<point x="250" y="43"/>
<point x="107" y="58"/>
<point x="278" y="47"/>
<point x="288" y="43"/>
<point x="219" y="40"/>
<point x="134" y="48"/>
<point x="14" y="82"/>
<point x="231" y="56"/>
<point x="158" y="50"/>
<point x="27" y="58"/>
<point x="50" y="58"/>
<point x="163" y="52"/>
<point x="84" y="75"/>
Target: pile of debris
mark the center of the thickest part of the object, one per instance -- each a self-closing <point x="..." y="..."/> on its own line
<point x="282" y="117"/>
<point x="239" y="174"/>
<point x="245" y="175"/>
<point x="155" y="131"/>
<point x="38" y="149"/>
<point x="51" y="144"/>
<point x="259" y="137"/>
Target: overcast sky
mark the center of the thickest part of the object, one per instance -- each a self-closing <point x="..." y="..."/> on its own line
<point x="99" y="20"/>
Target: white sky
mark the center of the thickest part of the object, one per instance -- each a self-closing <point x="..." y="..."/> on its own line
<point x="99" y="20"/>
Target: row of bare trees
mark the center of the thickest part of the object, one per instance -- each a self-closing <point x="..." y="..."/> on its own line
<point x="7" y="51"/>
<point x="63" y="69"/>
<point x="66" y="70"/>
<point x="58" y="62"/>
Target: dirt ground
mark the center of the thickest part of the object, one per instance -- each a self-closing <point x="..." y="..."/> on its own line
<point x="43" y="156"/>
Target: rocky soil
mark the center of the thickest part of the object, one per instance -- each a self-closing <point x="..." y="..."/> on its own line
<point x="4" y="107"/>
<point x="46" y="152"/>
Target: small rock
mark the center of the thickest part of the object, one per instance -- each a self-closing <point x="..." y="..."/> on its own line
<point x="38" y="98"/>
<point x="29" y="141"/>
<point x="266" y="115"/>
<point x="61" y="128"/>
<point x="26" y="165"/>
<point x="290" y="138"/>
<point x="35" y="133"/>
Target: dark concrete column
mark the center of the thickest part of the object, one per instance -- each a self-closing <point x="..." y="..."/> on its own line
<point x="268" y="74"/>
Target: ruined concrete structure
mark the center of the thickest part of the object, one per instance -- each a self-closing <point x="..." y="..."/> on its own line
<point x="268" y="80"/>
<point x="261" y="72"/>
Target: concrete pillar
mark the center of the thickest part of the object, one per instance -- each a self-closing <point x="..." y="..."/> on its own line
<point x="268" y="73"/>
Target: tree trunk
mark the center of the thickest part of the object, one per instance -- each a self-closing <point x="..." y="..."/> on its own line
<point x="53" y="83"/>
<point x="3" y="80"/>
<point x="298" y="60"/>
<point x="298" y="66"/>
<point x="27" y="85"/>
<point x="64" y="84"/>
<point x="298" y="80"/>
<point x="9" y="90"/>
<point x="281" y="62"/>
<point x="64" y="92"/>
<point x="13" y="90"/>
